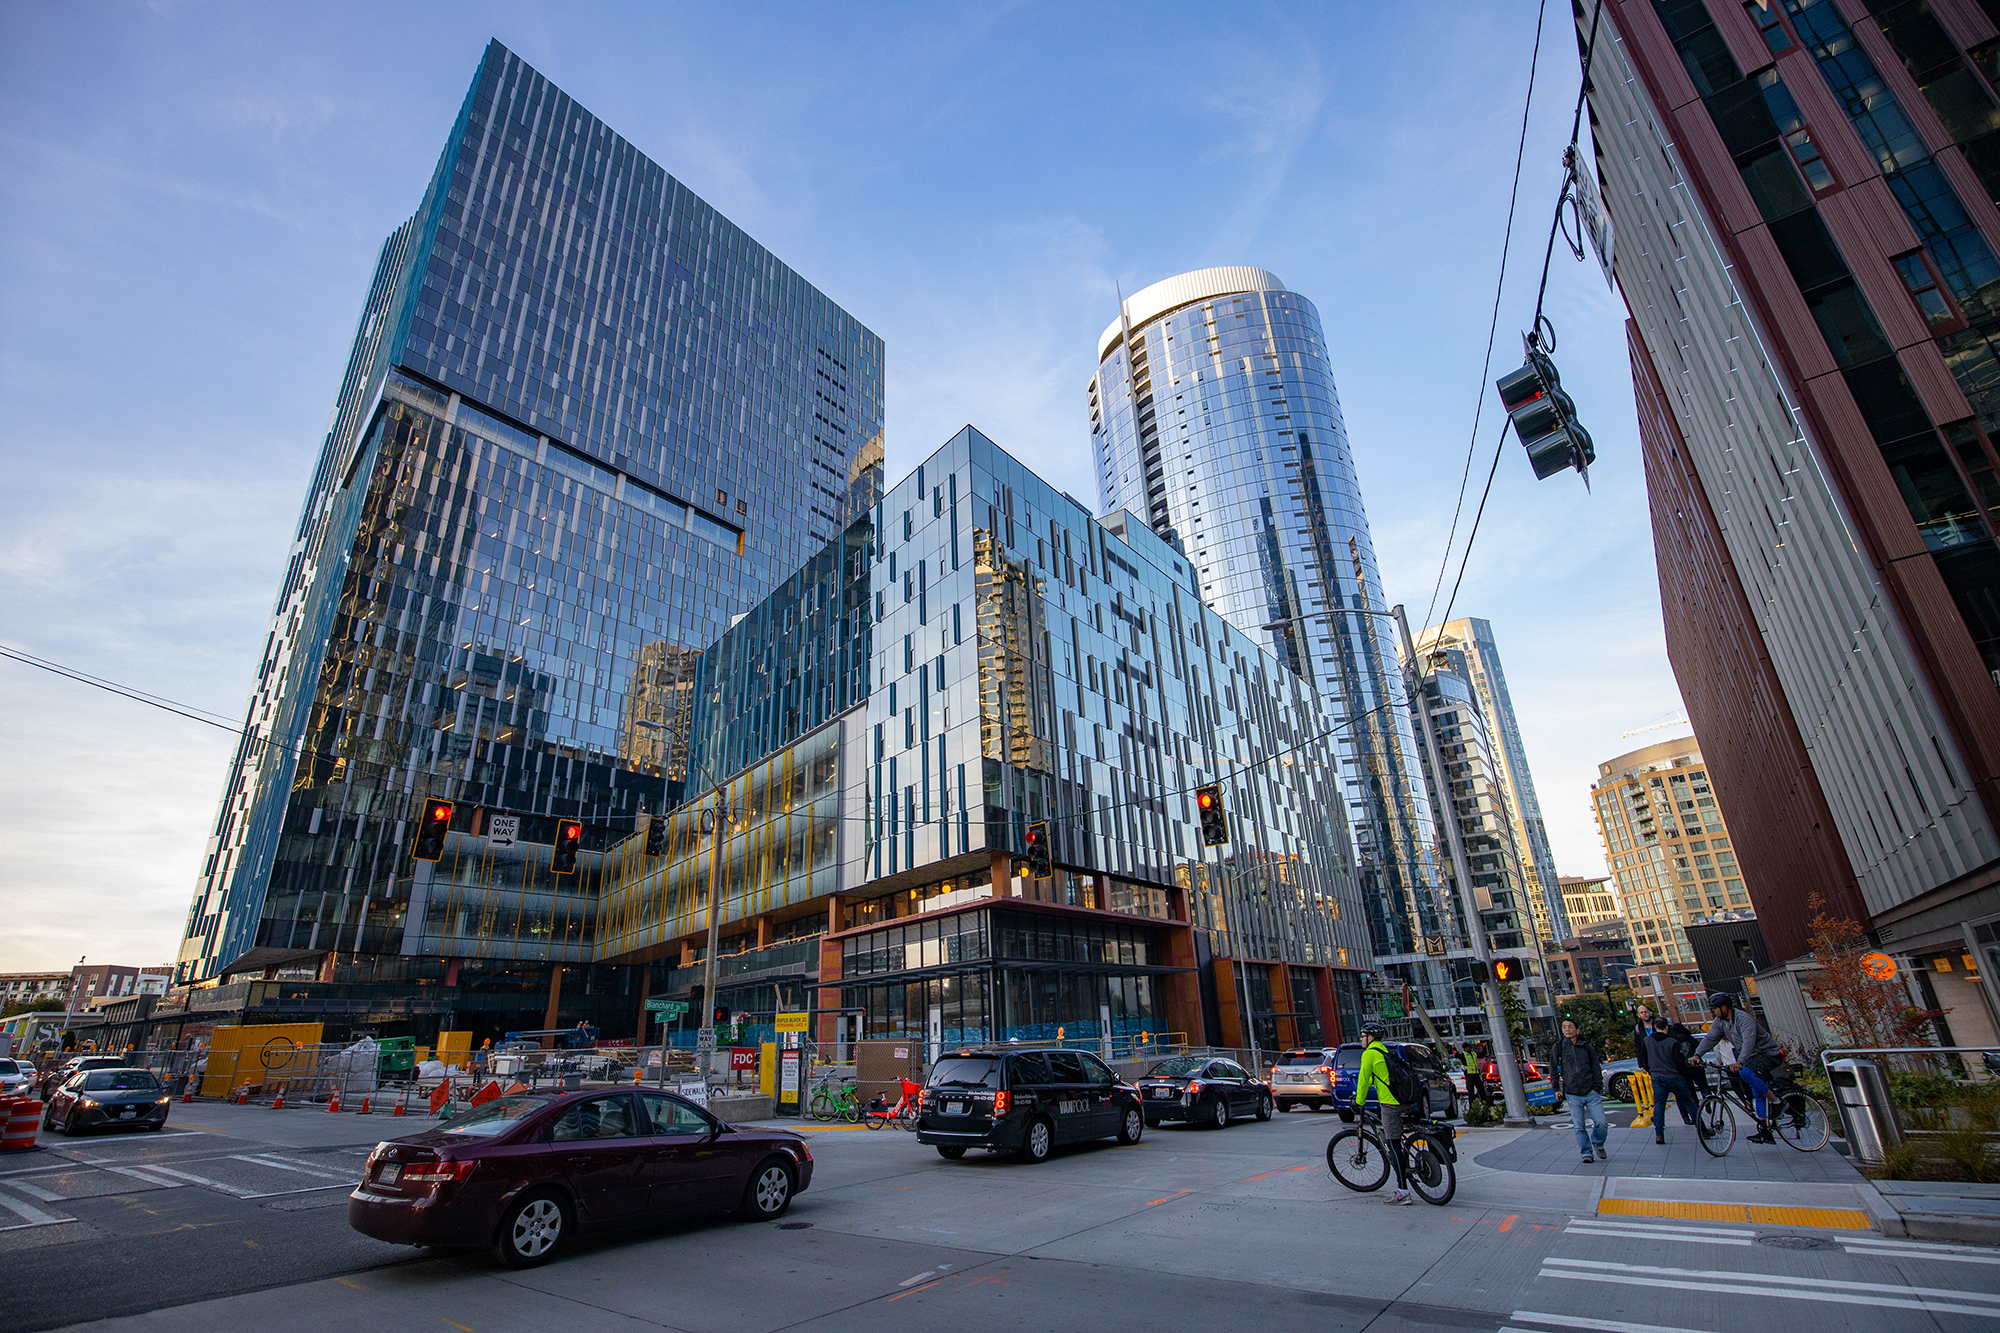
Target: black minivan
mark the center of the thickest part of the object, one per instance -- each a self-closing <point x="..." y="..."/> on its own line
<point x="1026" y="1101"/>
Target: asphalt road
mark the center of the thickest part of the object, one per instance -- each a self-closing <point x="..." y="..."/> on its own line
<point x="1191" y="1228"/>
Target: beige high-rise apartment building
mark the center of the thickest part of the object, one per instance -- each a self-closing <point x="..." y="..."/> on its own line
<point x="1665" y="841"/>
<point x="1590" y="901"/>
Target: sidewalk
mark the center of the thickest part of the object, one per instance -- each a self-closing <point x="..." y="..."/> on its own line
<point x="1767" y="1183"/>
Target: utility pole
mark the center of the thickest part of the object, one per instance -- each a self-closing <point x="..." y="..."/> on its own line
<point x="720" y="813"/>
<point x="1503" y="1040"/>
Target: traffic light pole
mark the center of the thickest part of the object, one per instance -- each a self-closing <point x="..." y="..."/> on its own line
<point x="1509" y="1069"/>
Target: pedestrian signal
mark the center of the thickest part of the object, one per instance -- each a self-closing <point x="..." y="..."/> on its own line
<point x="429" y="845"/>
<point x="656" y="836"/>
<point x="1506" y="969"/>
<point x="1214" y="819"/>
<point x="1475" y="971"/>
<point x="569" y="837"/>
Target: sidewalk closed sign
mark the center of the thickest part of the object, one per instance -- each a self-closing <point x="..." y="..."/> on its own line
<point x="1540" y="1092"/>
<point x="791" y="1022"/>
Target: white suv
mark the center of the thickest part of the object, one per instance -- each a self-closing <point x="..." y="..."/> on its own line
<point x="1303" y="1078"/>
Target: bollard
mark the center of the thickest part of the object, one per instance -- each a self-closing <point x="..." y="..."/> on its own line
<point x="1867" y="1112"/>
<point x="1642" y="1098"/>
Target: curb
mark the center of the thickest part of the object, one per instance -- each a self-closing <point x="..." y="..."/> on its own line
<point x="1948" y="1227"/>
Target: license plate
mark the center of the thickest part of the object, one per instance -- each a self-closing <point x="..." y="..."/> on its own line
<point x="390" y="1172"/>
<point x="956" y="1108"/>
<point x="128" y="1110"/>
<point x="1160" y="1092"/>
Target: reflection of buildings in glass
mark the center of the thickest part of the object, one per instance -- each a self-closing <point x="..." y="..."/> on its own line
<point x="659" y="711"/>
<point x="1478" y="661"/>
<point x="1215" y="417"/>
<point x="515" y="538"/>
<point x="1013" y="685"/>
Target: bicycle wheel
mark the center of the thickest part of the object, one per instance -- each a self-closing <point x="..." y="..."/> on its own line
<point x="1357" y="1161"/>
<point x="1716" y="1124"/>
<point x="850" y="1108"/>
<point x="822" y="1105"/>
<point x="907" y="1118"/>
<point x="1802" y="1122"/>
<point x="1432" y="1175"/>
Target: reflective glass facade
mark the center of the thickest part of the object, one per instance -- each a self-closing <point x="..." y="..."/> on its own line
<point x="586" y="422"/>
<point x="1214" y="416"/>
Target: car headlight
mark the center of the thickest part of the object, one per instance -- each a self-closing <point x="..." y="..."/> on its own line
<point x="88" y="1101"/>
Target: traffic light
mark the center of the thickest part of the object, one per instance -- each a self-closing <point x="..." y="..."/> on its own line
<point x="695" y="993"/>
<point x="1545" y="418"/>
<point x="1038" y="851"/>
<point x="569" y="837"/>
<point x="429" y="845"/>
<point x="1214" y="819"/>
<point x="1475" y="971"/>
<point x="722" y="1015"/>
<point x="1506" y="969"/>
<point x="656" y="836"/>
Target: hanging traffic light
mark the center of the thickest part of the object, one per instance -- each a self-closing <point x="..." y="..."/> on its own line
<point x="429" y="845"/>
<point x="1545" y="417"/>
<point x="1506" y="969"/>
<point x="1038" y="851"/>
<point x="569" y="837"/>
<point x="656" y="836"/>
<point x="1475" y="971"/>
<point x="1214" y="819"/>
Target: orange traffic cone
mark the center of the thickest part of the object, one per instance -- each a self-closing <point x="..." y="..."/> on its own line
<point x="364" y="1106"/>
<point x="278" y="1102"/>
<point x="243" y="1095"/>
<point x="333" y="1102"/>
<point x="399" y="1108"/>
<point x="187" y="1094"/>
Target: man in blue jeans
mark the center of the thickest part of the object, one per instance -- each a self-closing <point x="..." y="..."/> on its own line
<point x="1582" y="1077"/>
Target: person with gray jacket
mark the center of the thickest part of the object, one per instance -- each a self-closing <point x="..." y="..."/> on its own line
<point x="1755" y="1052"/>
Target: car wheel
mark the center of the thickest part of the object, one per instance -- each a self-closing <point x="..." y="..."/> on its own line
<point x="1263" y="1108"/>
<point x="1219" y="1117"/>
<point x="1131" y="1126"/>
<point x="49" y="1118"/>
<point x="532" y="1230"/>
<point x="69" y="1125"/>
<point x="1621" y="1088"/>
<point x="950" y="1153"/>
<point x="1038" y="1142"/>
<point x="768" y="1193"/>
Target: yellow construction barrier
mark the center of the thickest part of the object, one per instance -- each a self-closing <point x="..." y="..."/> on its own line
<point x="253" y="1054"/>
<point x="1642" y="1097"/>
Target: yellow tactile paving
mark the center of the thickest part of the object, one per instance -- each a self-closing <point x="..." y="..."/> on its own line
<point x="1832" y="1219"/>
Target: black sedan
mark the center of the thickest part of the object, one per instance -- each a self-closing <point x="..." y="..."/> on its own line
<point x="1203" y="1090"/>
<point x="523" y="1173"/>
<point x="108" y="1099"/>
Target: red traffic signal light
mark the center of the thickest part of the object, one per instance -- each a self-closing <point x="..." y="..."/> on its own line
<point x="1214" y="819"/>
<point x="429" y="844"/>
<point x="1039" y="866"/>
<point x="569" y="838"/>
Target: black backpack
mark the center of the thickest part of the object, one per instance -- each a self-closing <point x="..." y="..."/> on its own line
<point x="1405" y="1085"/>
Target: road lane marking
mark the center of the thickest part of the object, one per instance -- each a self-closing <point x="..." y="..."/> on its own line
<point x="927" y="1274"/>
<point x="138" y="1174"/>
<point x="1660" y="1228"/>
<point x="1168" y="1199"/>
<point x="287" y="1164"/>
<point x="1652" y="1233"/>
<point x="913" y="1291"/>
<point x="35" y="1191"/>
<point x="1897" y="1250"/>
<point x="1780" y="1287"/>
<point x="1598" y="1325"/>
<point x="30" y="1215"/>
<point x="204" y="1181"/>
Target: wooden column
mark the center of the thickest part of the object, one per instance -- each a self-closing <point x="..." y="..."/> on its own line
<point x="645" y="990"/>
<point x="1281" y="1000"/>
<point x="1227" y="1008"/>
<point x="555" y="997"/>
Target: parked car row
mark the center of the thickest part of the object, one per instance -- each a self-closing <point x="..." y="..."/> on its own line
<point x="1319" y="1077"/>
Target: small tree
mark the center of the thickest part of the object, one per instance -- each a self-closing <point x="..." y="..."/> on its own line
<point x="1863" y="1011"/>
<point x="30" y="1007"/>
<point x="1618" y="1026"/>
<point x="1592" y="1015"/>
<point x="1515" y="1011"/>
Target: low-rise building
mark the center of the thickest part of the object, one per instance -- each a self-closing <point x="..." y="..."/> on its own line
<point x="28" y="987"/>
<point x="1593" y="962"/>
<point x="1590" y="900"/>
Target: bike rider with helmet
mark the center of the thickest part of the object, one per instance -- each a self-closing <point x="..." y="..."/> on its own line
<point x="1374" y="1075"/>
<point x="1757" y="1054"/>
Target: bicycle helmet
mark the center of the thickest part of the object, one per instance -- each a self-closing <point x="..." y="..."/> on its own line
<point x="1374" y="1030"/>
<point x="1722" y="1000"/>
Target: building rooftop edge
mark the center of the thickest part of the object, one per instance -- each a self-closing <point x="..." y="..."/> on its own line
<point x="1149" y="303"/>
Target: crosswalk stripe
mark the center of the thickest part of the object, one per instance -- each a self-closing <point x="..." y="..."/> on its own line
<point x="137" y="1174"/>
<point x="34" y="1191"/>
<point x="1649" y="1228"/>
<point x="1942" y="1256"/>
<point x="1628" y="1233"/>
<point x="1776" y="1293"/>
<point x="30" y="1215"/>
<point x="1598" y="1325"/>
<point x="194" y="1179"/>
<point x="1893" y="1288"/>
<point x="286" y="1164"/>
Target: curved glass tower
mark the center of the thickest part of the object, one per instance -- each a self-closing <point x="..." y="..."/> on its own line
<point x="1214" y="417"/>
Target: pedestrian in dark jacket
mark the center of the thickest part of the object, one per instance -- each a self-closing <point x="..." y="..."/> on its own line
<point x="1581" y="1076"/>
<point x="1663" y="1056"/>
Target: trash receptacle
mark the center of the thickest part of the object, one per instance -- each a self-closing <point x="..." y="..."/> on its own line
<point x="1867" y="1113"/>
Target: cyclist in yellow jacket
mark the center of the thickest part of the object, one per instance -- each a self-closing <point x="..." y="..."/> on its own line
<point x="1374" y="1077"/>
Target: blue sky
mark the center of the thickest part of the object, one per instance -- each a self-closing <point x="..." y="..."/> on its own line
<point x="192" y="195"/>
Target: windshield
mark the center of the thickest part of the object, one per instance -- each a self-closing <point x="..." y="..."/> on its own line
<point x="966" y="1071"/>
<point x="120" y="1080"/>
<point x="1178" y="1067"/>
<point x="1292" y="1058"/>
<point x="495" y="1117"/>
<point x="9" y="1067"/>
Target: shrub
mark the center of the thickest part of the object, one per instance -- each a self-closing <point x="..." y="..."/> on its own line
<point x="1964" y="1151"/>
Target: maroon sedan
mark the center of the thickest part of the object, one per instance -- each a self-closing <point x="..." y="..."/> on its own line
<point x="522" y="1173"/>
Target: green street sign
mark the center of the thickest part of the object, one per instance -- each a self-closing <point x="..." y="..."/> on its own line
<point x="670" y="1008"/>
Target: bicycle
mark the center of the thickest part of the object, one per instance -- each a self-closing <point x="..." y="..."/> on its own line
<point x="1357" y="1160"/>
<point x="1797" y="1117"/>
<point x="829" y="1103"/>
<point x="903" y="1115"/>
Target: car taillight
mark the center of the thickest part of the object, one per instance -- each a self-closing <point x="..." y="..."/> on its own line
<point x="1326" y="1069"/>
<point x="1194" y="1087"/>
<point x="1000" y="1103"/>
<point x="436" y="1173"/>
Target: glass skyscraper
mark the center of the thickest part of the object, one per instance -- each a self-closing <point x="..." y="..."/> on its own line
<point x="1215" y="419"/>
<point x="585" y="423"/>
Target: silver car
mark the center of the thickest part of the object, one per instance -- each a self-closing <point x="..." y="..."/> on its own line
<point x="15" y="1076"/>
<point x="1303" y="1078"/>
